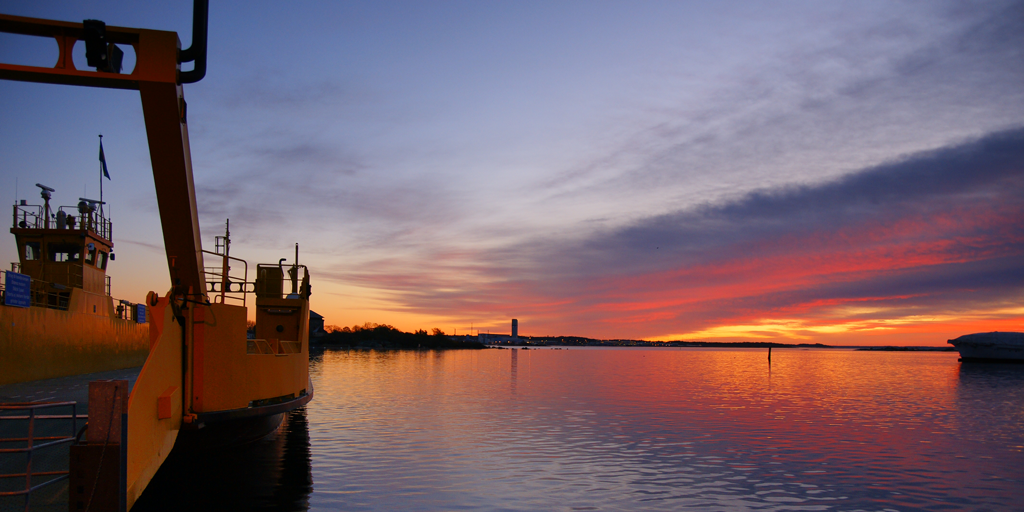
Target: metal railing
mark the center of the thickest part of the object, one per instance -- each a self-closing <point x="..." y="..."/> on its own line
<point x="44" y="294"/>
<point x="30" y="412"/>
<point x="224" y="286"/>
<point x="126" y="310"/>
<point x="73" y="280"/>
<point x="54" y="296"/>
<point x="33" y="216"/>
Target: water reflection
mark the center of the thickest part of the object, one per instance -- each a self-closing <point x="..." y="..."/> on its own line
<point x="628" y="429"/>
<point x="515" y="369"/>
<point x="991" y="375"/>
<point x="657" y="429"/>
<point x="990" y="397"/>
<point x="271" y="474"/>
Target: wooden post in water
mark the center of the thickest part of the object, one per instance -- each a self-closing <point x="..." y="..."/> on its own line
<point x="769" y="355"/>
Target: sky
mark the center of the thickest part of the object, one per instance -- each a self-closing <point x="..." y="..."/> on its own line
<point x="848" y="173"/>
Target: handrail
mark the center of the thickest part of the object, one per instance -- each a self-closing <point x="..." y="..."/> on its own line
<point x="126" y="310"/>
<point x="231" y="285"/>
<point x="31" y="216"/>
<point x="31" y="446"/>
<point x="45" y="294"/>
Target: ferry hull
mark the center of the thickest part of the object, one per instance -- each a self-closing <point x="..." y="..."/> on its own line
<point x="226" y="429"/>
<point x="42" y="343"/>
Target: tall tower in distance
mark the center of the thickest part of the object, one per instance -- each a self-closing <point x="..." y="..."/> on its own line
<point x="515" y="328"/>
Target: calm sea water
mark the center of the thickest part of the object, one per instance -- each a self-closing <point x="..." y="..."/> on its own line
<point x="631" y="429"/>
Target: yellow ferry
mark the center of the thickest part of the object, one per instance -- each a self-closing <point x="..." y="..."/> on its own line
<point x="204" y="380"/>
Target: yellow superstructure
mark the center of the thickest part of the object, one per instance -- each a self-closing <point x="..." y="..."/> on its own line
<point x="69" y="324"/>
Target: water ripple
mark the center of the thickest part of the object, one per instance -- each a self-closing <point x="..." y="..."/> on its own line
<point x="615" y="430"/>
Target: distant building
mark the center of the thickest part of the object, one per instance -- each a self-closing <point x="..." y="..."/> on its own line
<point x="505" y="339"/>
<point x="316" y="324"/>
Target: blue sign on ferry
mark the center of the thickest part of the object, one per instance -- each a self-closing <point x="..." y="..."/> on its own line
<point x="17" y="290"/>
<point x="140" y="313"/>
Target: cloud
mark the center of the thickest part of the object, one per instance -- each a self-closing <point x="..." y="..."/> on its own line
<point x="933" y="232"/>
<point x="770" y="189"/>
<point x="152" y="247"/>
<point x="986" y="171"/>
<point x="322" y="192"/>
<point x="810" y="112"/>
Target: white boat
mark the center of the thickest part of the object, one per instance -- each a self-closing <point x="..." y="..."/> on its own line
<point x="991" y="346"/>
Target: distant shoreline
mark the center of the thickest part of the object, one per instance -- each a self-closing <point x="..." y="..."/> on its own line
<point x="589" y="342"/>
<point x="386" y="337"/>
<point x="390" y="345"/>
<point x="909" y="349"/>
<point x="456" y="345"/>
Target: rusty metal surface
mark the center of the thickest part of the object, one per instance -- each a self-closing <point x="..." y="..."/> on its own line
<point x="109" y="400"/>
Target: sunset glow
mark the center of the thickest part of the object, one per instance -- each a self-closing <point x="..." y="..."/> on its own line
<point x="847" y="174"/>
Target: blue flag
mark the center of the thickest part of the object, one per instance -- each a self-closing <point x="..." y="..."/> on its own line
<point x="103" y="162"/>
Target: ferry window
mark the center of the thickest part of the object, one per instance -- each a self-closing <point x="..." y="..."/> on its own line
<point x="64" y="252"/>
<point x="31" y="251"/>
<point x="90" y="256"/>
<point x="101" y="260"/>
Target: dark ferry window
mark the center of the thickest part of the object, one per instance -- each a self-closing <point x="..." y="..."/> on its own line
<point x="61" y="253"/>
<point x="101" y="260"/>
<point x="31" y="251"/>
<point x="90" y="256"/>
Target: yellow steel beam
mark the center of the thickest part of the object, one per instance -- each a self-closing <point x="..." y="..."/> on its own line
<point x="164" y="107"/>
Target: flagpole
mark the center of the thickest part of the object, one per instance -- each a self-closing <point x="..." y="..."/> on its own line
<point x="101" y="177"/>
